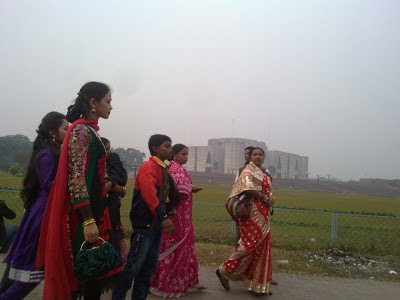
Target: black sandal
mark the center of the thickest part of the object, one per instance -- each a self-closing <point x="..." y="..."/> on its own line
<point x="223" y="280"/>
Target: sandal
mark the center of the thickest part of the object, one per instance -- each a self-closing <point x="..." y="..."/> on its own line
<point x="260" y="294"/>
<point x="223" y="280"/>
<point x="202" y="287"/>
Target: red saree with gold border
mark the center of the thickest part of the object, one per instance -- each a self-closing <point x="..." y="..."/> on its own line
<point x="251" y="261"/>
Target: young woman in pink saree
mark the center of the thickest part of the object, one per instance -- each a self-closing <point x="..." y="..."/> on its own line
<point x="251" y="261"/>
<point x="178" y="272"/>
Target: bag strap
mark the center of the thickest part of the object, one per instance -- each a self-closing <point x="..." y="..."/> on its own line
<point x="93" y="247"/>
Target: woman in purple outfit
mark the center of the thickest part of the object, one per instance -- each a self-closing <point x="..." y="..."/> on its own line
<point x="20" y="277"/>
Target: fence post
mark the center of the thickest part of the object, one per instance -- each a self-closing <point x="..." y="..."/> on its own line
<point x="235" y="231"/>
<point x="334" y="230"/>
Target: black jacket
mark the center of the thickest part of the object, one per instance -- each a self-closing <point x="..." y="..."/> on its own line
<point x="5" y="212"/>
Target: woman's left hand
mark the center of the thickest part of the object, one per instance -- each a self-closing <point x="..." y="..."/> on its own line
<point x="270" y="201"/>
<point x="91" y="233"/>
<point x="196" y="189"/>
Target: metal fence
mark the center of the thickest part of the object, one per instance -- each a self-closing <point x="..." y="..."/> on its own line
<point x="290" y="228"/>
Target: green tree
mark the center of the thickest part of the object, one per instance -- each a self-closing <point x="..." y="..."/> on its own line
<point x="14" y="149"/>
<point x="131" y="158"/>
<point x="16" y="169"/>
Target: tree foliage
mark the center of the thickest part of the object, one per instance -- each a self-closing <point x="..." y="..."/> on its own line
<point x="16" y="170"/>
<point x="14" y="149"/>
<point x="131" y="158"/>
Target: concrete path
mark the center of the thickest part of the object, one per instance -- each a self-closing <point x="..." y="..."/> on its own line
<point x="289" y="287"/>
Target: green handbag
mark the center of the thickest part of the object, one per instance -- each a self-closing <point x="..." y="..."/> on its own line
<point x="96" y="262"/>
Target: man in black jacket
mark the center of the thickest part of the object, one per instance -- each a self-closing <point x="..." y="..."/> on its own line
<point x="6" y="238"/>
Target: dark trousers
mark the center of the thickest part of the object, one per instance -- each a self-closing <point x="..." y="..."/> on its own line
<point x="114" y="206"/>
<point x="141" y="264"/>
<point x="11" y="231"/>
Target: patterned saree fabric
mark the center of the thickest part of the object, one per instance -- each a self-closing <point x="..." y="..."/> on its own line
<point x="177" y="271"/>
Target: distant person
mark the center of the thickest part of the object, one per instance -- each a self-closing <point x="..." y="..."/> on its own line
<point x="116" y="176"/>
<point x="77" y="209"/>
<point x="251" y="261"/>
<point x="178" y="271"/>
<point x="247" y="151"/>
<point x="155" y="197"/>
<point x="7" y="235"/>
<point x="37" y="183"/>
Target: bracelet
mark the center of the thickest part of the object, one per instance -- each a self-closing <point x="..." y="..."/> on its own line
<point x="124" y="189"/>
<point x="87" y="222"/>
<point x="259" y="196"/>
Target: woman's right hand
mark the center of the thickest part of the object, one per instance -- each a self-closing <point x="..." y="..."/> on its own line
<point x="91" y="233"/>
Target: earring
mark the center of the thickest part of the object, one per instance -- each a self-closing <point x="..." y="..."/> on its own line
<point x="54" y="138"/>
<point x="93" y="110"/>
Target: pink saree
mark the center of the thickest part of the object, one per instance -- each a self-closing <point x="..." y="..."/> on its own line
<point x="251" y="261"/>
<point x="177" y="271"/>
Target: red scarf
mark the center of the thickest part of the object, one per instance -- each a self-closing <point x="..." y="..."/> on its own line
<point x="54" y="246"/>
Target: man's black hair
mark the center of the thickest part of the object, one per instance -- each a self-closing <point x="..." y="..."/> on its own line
<point x="105" y="141"/>
<point x="156" y="140"/>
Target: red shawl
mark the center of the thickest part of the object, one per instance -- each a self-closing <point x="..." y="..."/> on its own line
<point x="54" y="246"/>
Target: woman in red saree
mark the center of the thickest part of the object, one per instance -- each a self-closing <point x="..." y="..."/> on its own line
<point x="77" y="207"/>
<point x="178" y="272"/>
<point x="251" y="261"/>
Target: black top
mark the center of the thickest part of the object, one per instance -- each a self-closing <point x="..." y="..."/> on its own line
<point x="5" y="212"/>
<point x="115" y="170"/>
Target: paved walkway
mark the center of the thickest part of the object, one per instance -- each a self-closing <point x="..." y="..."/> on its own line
<point x="290" y="287"/>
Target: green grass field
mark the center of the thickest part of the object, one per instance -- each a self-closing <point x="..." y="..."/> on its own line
<point x="290" y="229"/>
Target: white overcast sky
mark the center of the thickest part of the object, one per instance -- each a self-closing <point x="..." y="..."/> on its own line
<point x="316" y="78"/>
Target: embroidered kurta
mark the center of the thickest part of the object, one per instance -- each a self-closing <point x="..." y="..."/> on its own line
<point x="79" y="182"/>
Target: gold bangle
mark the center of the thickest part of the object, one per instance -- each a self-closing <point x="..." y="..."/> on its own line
<point x="124" y="189"/>
<point x="87" y="222"/>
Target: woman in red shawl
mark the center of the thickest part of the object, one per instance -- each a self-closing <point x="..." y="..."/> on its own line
<point x="251" y="261"/>
<point x="77" y="207"/>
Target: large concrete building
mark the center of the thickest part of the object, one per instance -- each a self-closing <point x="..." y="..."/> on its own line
<point x="226" y="155"/>
<point x="286" y="165"/>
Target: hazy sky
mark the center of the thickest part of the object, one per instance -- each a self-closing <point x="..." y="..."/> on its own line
<point x="315" y="78"/>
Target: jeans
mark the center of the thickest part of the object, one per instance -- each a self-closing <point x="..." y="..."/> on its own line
<point x="141" y="264"/>
<point x="11" y="231"/>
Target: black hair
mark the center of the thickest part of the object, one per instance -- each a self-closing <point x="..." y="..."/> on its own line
<point x="178" y="148"/>
<point x="156" y="140"/>
<point x="81" y="106"/>
<point x="254" y="148"/>
<point x="30" y="187"/>
<point x="105" y="141"/>
<point x="249" y="148"/>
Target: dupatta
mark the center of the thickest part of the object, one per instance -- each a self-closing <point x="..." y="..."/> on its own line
<point x="250" y="179"/>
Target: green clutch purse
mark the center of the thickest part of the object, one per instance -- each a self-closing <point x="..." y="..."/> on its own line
<point x="96" y="262"/>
